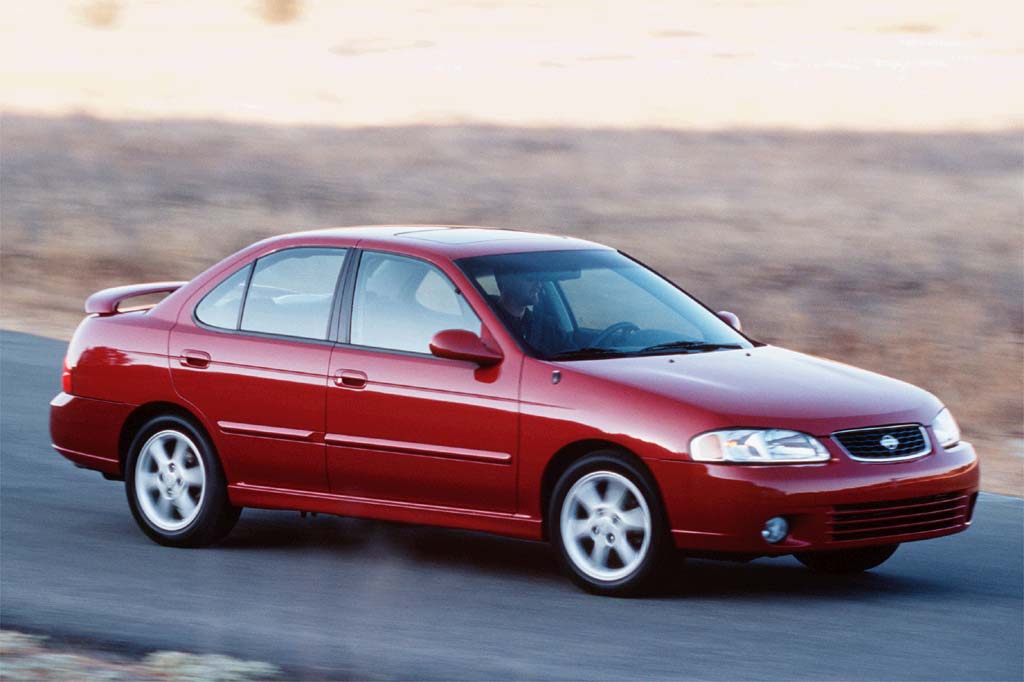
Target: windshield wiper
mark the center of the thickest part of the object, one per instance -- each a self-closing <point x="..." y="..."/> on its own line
<point x="588" y="352"/>
<point x="585" y="353"/>
<point x="689" y="347"/>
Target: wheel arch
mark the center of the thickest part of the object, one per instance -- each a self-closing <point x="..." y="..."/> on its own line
<point x="567" y="455"/>
<point x="144" y="413"/>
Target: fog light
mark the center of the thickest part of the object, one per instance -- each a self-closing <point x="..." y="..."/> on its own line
<point x="775" y="529"/>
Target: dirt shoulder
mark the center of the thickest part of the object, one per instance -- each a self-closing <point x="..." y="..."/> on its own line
<point x="25" y="657"/>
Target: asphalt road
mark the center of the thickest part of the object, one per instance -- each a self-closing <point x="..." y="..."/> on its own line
<point x="330" y="597"/>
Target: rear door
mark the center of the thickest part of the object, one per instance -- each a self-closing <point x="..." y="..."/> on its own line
<point x="407" y="426"/>
<point x="253" y="358"/>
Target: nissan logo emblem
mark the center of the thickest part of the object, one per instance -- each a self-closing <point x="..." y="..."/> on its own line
<point x="890" y="443"/>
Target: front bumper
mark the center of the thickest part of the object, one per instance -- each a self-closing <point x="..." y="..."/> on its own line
<point x="837" y="504"/>
<point x="87" y="431"/>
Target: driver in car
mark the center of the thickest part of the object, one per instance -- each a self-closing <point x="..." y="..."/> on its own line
<point x="519" y="292"/>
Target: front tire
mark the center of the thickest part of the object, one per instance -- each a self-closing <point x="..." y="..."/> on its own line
<point x="607" y="525"/>
<point x="175" y="486"/>
<point x="846" y="561"/>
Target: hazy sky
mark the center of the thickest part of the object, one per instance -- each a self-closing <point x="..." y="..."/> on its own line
<point x="866" y="64"/>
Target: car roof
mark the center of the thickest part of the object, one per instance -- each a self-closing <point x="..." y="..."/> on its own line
<point x="452" y="241"/>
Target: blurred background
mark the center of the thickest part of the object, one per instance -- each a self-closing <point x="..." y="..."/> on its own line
<point x="847" y="177"/>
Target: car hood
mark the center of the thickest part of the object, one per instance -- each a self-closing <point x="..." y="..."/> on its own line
<point x="771" y="387"/>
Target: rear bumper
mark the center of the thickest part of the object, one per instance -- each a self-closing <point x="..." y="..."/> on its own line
<point x="837" y="504"/>
<point x="86" y="431"/>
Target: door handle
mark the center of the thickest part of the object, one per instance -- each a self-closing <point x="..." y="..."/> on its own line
<point x="350" y="378"/>
<point x="196" y="359"/>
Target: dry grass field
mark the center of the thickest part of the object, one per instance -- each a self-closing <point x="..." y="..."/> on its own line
<point x="899" y="252"/>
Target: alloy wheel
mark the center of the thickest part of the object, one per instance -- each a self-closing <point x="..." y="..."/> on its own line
<point x="170" y="480"/>
<point x="605" y="526"/>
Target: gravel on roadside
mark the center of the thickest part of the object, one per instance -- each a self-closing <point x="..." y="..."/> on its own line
<point x="26" y="657"/>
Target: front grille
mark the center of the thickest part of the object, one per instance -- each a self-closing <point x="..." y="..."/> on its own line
<point x="898" y="517"/>
<point x="884" y="443"/>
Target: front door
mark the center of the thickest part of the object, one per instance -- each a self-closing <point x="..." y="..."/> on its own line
<point x="407" y="426"/>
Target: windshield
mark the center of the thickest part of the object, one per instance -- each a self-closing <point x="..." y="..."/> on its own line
<point x="566" y="305"/>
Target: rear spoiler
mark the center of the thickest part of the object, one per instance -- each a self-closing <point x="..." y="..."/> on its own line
<point x="105" y="302"/>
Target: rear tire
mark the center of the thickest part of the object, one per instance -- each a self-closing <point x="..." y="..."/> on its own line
<point x="607" y="525"/>
<point x="845" y="561"/>
<point x="175" y="485"/>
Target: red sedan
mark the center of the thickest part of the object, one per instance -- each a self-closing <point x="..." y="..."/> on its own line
<point x="530" y="385"/>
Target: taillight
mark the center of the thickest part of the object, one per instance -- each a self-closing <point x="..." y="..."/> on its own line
<point x="65" y="378"/>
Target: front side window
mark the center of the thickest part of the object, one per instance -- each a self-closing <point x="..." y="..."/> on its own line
<point x="594" y="303"/>
<point x="400" y="303"/>
<point x="292" y="292"/>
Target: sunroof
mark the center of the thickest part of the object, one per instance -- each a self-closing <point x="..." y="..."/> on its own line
<point x="464" y="235"/>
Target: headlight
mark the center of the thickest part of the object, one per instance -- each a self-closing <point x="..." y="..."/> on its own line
<point x="946" y="429"/>
<point x="757" y="446"/>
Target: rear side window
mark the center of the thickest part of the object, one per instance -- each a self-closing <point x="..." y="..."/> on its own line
<point x="220" y="307"/>
<point x="292" y="292"/>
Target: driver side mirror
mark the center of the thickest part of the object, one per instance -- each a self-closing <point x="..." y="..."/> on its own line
<point x="730" y="319"/>
<point x="459" y="344"/>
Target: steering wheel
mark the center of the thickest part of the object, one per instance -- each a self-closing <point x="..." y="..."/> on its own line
<point x="612" y="330"/>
